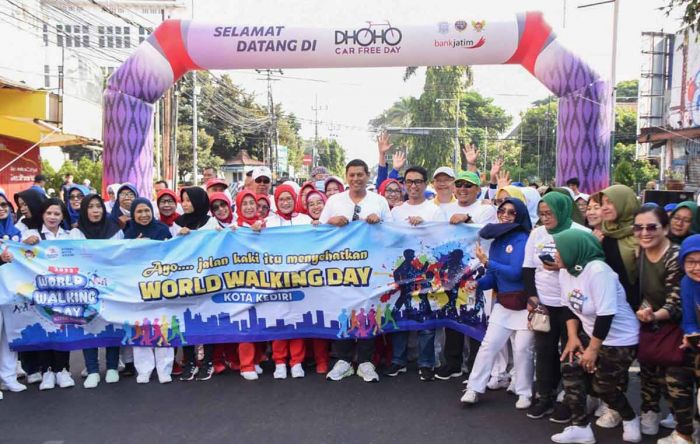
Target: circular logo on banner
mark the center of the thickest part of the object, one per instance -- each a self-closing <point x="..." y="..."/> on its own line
<point x="509" y="249"/>
<point x="460" y="25"/>
<point x="52" y="253"/>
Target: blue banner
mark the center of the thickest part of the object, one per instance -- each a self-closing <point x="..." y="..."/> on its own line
<point x="208" y="287"/>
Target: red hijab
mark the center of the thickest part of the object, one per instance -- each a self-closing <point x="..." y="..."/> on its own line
<point x="239" y="208"/>
<point x="315" y="192"/>
<point x="281" y="189"/>
<point x="224" y="198"/>
<point x="167" y="220"/>
<point x="341" y="187"/>
<point x="383" y="185"/>
<point x="300" y="208"/>
<point x="266" y="198"/>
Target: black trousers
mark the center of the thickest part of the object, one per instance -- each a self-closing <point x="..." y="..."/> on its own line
<point x="454" y="349"/>
<point x="45" y="359"/>
<point x="547" y="364"/>
<point x="345" y="350"/>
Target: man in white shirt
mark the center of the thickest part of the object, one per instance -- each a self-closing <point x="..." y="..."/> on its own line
<point x="262" y="184"/>
<point x="443" y="182"/>
<point x="355" y="204"/>
<point x="416" y="211"/>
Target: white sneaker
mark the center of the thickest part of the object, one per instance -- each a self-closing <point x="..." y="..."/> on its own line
<point x="674" y="438"/>
<point x="258" y="369"/>
<point x="602" y="408"/>
<point x="250" y="376"/>
<point x="631" y="430"/>
<point x="609" y="420"/>
<point x="280" y="371"/>
<point x="523" y="403"/>
<point x="19" y="371"/>
<point x="0" y="395"/>
<point x="92" y="380"/>
<point x="34" y="378"/>
<point x="466" y="381"/>
<point x="496" y="383"/>
<point x="575" y="434"/>
<point x="367" y="372"/>
<point x="511" y="387"/>
<point x="469" y="397"/>
<point x="340" y="370"/>
<point x="48" y="381"/>
<point x="668" y="422"/>
<point x="64" y="379"/>
<point x="13" y="386"/>
<point x="143" y="378"/>
<point x="112" y="376"/>
<point x="84" y="373"/>
<point x="650" y="422"/>
<point x="165" y="379"/>
<point x="297" y="371"/>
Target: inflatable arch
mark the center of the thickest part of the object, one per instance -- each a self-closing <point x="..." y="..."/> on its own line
<point x="176" y="47"/>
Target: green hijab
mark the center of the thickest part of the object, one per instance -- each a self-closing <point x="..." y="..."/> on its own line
<point x="575" y="212"/>
<point x="693" y="207"/>
<point x="562" y="208"/>
<point x="577" y="248"/>
<point x="626" y="204"/>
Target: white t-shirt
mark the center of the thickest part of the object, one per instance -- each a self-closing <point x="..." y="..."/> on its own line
<point x="48" y="235"/>
<point x="426" y="210"/>
<point x="212" y="224"/>
<point x="22" y="228"/>
<point x="539" y="243"/>
<point x="274" y="220"/>
<point x="597" y="292"/>
<point x="341" y="205"/>
<point x="480" y="213"/>
<point x="76" y="234"/>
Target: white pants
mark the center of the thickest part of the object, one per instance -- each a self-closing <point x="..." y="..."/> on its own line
<point x="148" y="358"/>
<point x="8" y="358"/>
<point x="493" y="344"/>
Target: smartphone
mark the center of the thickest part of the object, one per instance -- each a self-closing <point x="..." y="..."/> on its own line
<point x="547" y="258"/>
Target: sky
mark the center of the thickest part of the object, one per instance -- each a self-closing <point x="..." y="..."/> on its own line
<point x="350" y="97"/>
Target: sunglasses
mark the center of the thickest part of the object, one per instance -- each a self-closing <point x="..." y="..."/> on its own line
<point x="4" y="205"/>
<point x="466" y="185"/>
<point x="651" y="228"/>
<point x="356" y="213"/>
<point x="264" y="180"/>
<point x="508" y="212"/>
<point x="218" y="206"/>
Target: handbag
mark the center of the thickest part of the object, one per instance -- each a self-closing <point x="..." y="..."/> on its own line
<point x="512" y="300"/>
<point x="659" y="344"/>
<point x="538" y="320"/>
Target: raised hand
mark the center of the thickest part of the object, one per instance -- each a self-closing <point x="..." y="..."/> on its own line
<point x="471" y="154"/>
<point x="495" y="169"/>
<point x="398" y="160"/>
<point x="383" y="142"/>
<point x="503" y="179"/>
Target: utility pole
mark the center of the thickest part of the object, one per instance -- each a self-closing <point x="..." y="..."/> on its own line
<point x="273" y="156"/>
<point x="195" y="90"/>
<point x="316" y="109"/>
<point x="167" y="172"/>
<point x="538" y="151"/>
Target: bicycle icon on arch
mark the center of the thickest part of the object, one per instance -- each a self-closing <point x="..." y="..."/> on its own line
<point x="371" y="34"/>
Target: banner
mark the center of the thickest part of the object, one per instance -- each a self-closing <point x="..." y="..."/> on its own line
<point x="209" y="287"/>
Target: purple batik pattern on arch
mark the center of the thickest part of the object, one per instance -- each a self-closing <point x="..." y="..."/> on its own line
<point x="128" y="130"/>
<point x="146" y="75"/>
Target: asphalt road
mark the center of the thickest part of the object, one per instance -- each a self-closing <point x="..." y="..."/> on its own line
<point x="309" y="410"/>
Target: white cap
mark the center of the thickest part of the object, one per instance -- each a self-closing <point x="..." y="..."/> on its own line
<point x="262" y="171"/>
<point x="444" y="170"/>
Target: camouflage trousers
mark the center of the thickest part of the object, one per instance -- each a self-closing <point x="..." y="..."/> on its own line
<point x="605" y="383"/>
<point x="677" y="384"/>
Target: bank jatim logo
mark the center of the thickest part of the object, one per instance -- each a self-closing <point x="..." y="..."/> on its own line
<point x="66" y="297"/>
<point x="372" y="34"/>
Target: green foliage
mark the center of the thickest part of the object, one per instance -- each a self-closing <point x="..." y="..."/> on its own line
<point x="539" y="132"/>
<point x="205" y="156"/>
<point x="85" y="168"/>
<point x="625" y="125"/>
<point x="627" y="91"/>
<point x="332" y="155"/>
<point x="629" y="171"/>
<point x="691" y="13"/>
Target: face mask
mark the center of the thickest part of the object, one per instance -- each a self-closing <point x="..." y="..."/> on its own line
<point x="320" y="184"/>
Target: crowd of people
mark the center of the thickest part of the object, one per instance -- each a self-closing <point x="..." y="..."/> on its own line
<point x="582" y="286"/>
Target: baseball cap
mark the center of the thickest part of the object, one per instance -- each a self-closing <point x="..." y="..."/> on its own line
<point x="262" y="171"/>
<point x="444" y="170"/>
<point x="469" y="176"/>
<point x="211" y="182"/>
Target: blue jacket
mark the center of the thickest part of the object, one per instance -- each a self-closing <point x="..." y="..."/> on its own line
<point x="690" y="289"/>
<point x="382" y="174"/>
<point x="505" y="268"/>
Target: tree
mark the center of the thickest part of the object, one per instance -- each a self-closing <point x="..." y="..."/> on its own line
<point x="627" y="91"/>
<point x="691" y="14"/>
<point x="332" y="155"/>
<point x="85" y="168"/>
<point x="625" y="125"/>
<point x="539" y="131"/>
<point x="205" y="157"/>
<point x="288" y="129"/>
<point x="630" y="171"/>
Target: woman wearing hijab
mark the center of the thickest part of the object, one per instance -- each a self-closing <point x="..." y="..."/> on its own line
<point x="29" y="204"/>
<point x="509" y="314"/>
<point x="333" y="185"/>
<point x="54" y="363"/>
<point x="144" y="226"/>
<point x="167" y="206"/>
<point x="315" y="202"/>
<point x="596" y="300"/>
<point x="76" y="193"/>
<point x="684" y="222"/>
<point x="112" y="196"/>
<point x="8" y="230"/>
<point x="263" y="206"/>
<point x="532" y="200"/>
<point x="576" y="214"/>
<point x="93" y="223"/>
<point x="220" y="206"/>
<point x="541" y="275"/>
<point x="582" y="202"/>
<point x="305" y="189"/>
<point x="689" y="259"/>
<point x="121" y="210"/>
<point x="392" y="191"/>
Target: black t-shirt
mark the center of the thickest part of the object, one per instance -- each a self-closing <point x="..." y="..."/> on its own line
<point x="614" y="259"/>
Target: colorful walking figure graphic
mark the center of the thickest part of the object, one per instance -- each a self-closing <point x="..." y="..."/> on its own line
<point x="175" y="331"/>
<point x="354" y="325"/>
<point x="372" y="320"/>
<point x="405" y="277"/>
<point x="343" y="320"/>
<point x="164" y="331"/>
<point x="147" y="337"/>
<point x="378" y="320"/>
<point x="389" y="317"/>
<point x="138" y="332"/>
<point x="128" y="332"/>
<point x="158" y="336"/>
<point x="362" y="323"/>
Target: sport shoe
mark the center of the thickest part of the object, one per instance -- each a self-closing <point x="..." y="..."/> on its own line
<point x="674" y="438"/>
<point x="189" y="372"/>
<point x="143" y="378"/>
<point x="561" y="415"/>
<point x="250" y="375"/>
<point x="205" y="372"/>
<point x="609" y="420"/>
<point x="340" y="370"/>
<point x="668" y="422"/>
<point x="34" y="378"/>
<point x="560" y="396"/>
<point x="367" y="372"/>
<point x="84" y="373"/>
<point x="112" y="376"/>
<point x="258" y="369"/>
<point x="280" y="371"/>
<point x="166" y="379"/>
<point x="13" y="386"/>
<point x="297" y="371"/>
<point x="19" y="371"/>
<point x="469" y="397"/>
<point x="64" y="379"/>
<point x="496" y="383"/>
<point x="540" y="409"/>
<point x="394" y="370"/>
<point x="128" y="370"/>
<point x="48" y="381"/>
<point x="92" y="381"/>
<point x="177" y="369"/>
<point x="426" y="374"/>
<point x="523" y="403"/>
<point x="650" y="422"/>
<point x="575" y="434"/>
<point x="631" y="430"/>
<point x="444" y="373"/>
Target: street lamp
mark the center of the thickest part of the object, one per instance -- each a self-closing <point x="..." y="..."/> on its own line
<point x="455" y="158"/>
